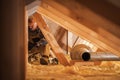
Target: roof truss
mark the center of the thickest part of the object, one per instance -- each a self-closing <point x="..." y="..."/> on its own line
<point x="47" y="9"/>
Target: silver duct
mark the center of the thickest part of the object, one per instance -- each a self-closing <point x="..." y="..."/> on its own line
<point x="84" y="53"/>
<point x="103" y="56"/>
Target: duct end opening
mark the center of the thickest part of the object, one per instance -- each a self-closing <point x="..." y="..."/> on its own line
<point x="86" y="56"/>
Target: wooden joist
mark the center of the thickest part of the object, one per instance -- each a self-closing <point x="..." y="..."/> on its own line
<point x="53" y="11"/>
<point x="51" y="39"/>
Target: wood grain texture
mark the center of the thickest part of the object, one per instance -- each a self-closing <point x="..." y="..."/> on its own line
<point x="51" y="39"/>
<point x="106" y="42"/>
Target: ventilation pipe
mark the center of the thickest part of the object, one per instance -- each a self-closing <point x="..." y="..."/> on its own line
<point x="84" y="53"/>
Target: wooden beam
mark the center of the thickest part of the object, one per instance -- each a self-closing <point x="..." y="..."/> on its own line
<point x="66" y="21"/>
<point x="51" y="39"/>
<point x="93" y="15"/>
<point x="103" y="8"/>
<point x="12" y="41"/>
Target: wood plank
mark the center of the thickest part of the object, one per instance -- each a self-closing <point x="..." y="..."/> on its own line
<point x="77" y="28"/>
<point x="51" y="39"/>
<point x="103" y="8"/>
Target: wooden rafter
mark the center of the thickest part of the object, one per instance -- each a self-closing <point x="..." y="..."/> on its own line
<point x="51" y="39"/>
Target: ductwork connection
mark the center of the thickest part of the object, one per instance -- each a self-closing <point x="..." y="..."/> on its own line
<point x="84" y="53"/>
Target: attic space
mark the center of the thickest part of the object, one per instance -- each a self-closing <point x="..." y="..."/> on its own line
<point x="60" y="40"/>
<point x="81" y="41"/>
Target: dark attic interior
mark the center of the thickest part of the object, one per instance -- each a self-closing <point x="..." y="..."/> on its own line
<point x="60" y="40"/>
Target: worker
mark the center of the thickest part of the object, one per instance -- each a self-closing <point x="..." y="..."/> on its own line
<point x="37" y="43"/>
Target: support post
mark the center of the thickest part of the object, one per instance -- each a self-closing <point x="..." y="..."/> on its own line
<point x="12" y="55"/>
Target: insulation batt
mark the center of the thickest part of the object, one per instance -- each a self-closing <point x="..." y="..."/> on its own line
<point x="106" y="71"/>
